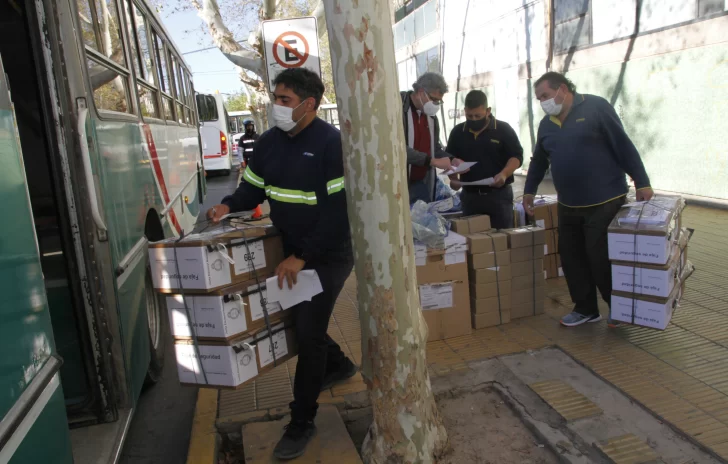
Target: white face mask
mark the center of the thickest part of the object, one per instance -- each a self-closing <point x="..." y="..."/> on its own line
<point x="283" y="117"/>
<point x="430" y="108"/>
<point x="550" y="106"/>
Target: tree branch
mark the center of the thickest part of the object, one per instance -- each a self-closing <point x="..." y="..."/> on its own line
<point x="320" y="16"/>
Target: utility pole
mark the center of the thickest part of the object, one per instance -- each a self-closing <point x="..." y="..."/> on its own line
<point x="407" y="427"/>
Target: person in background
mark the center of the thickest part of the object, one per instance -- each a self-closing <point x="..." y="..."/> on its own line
<point x="494" y="145"/>
<point x="422" y="135"/>
<point x="246" y="142"/>
<point x="582" y="139"/>
<point x="299" y="166"/>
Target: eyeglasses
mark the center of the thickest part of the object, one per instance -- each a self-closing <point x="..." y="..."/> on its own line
<point x="436" y="101"/>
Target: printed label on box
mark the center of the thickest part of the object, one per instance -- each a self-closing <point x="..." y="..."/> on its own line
<point x="454" y="258"/>
<point x="545" y="249"/>
<point x="541" y="223"/>
<point x="494" y="268"/>
<point x="250" y="257"/>
<point x="279" y="344"/>
<point x="256" y="309"/>
<point x="561" y="272"/>
<point x="246" y="366"/>
<point x="420" y="254"/>
<point x="436" y="296"/>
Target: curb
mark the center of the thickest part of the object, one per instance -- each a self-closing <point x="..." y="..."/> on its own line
<point x="203" y="436"/>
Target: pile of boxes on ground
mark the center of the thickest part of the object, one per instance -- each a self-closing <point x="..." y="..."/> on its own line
<point x="214" y="286"/>
<point x="648" y="249"/>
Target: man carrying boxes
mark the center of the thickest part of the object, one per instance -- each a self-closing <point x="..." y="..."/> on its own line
<point x="299" y="166"/>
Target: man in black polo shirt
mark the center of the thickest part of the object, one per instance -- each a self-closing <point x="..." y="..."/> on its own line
<point x="582" y="139"/>
<point x="495" y="147"/>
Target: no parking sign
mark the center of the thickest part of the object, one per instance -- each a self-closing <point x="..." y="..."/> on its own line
<point x="291" y="43"/>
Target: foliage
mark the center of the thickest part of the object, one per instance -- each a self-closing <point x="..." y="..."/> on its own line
<point x="237" y="102"/>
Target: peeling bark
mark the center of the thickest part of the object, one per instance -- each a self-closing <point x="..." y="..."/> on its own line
<point x="407" y="427"/>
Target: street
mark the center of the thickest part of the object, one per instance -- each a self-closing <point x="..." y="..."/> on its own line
<point x="160" y="430"/>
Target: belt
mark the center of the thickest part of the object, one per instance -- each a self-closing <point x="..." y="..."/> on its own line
<point x="478" y="189"/>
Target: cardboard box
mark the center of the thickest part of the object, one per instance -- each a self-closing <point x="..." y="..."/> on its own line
<point x="526" y="254"/>
<point x="227" y="313"/>
<point x="436" y="270"/>
<point x="525" y="237"/>
<point x="527" y="281"/>
<point x="486" y="260"/>
<point x="491" y="319"/>
<point x="487" y="242"/>
<point x="551" y="247"/>
<point x="649" y="311"/>
<point x="526" y="267"/>
<point x="526" y="296"/>
<point x="532" y="308"/>
<point x="471" y="224"/>
<point x="235" y="363"/>
<point x="455" y="247"/>
<point x="552" y="267"/>
<point x="546" y="212"/>
<point x="490" y="290"/>
<point x="446" y="309"/>
<point x="485" y="305"/>
<point x="214" y="259"/>
<point x="646" y="233"/>
<point x="486" y="276"/>
<point x="649" y="279"/>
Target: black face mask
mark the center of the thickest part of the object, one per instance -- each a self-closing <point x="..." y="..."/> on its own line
<point x="477" y="125"/>
<point x="249" y="130"/>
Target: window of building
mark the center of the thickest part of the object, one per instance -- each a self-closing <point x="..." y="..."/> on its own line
<point x="428" y="61"/>
<point x="409" y="28"/>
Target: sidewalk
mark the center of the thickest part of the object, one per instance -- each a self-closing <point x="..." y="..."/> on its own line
<point x="680" y="374"/>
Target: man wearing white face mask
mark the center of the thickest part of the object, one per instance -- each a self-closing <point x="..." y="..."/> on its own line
<point x="299" y="166"/>
<point x="422" y="134"/>
<point x="582" y="139"/>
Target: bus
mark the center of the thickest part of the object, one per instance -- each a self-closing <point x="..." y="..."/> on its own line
<point x="330" y="114"/>
<point x="100" y="154"/>
<point x="236" y="119"/>
<point x="217" y="152"/>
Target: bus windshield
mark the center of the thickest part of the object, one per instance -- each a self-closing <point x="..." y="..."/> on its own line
<point x="207" y="108"/>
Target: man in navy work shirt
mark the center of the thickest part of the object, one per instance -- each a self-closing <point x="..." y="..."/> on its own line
<point x="583" y="140"/>
<point x="495" y="147"/>
<point x="299" y="167"/>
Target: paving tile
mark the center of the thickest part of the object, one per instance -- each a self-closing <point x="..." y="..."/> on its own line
<point x="628" y="449"/>
<point x="569" y="403"/>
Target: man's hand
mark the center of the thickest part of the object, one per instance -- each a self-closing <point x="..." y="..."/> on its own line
<point x="645" y="194"/>
<point x="528" y="204"/>
<point x="441" y="163"/>
<point x="217" y="212"/>
<point x="289" y="269"/>
<point x="457" y="162"/>
<point x="499" y="180"/>
<point x="455" y="183"/>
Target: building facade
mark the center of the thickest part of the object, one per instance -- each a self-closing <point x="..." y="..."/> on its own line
<point x="663" y="64"/>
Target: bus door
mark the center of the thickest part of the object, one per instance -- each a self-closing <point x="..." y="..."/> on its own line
<point x="31" y="398"/>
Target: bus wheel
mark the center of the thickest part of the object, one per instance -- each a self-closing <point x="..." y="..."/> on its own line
<point x="226" y="172"/>
<point x="157" y="325"/>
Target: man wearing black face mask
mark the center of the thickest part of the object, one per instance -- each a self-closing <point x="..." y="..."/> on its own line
<point x="493" y="144"/>
<point x="247" y="141"/>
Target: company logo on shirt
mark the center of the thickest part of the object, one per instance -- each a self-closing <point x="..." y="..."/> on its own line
<point x="581" y="120"/>
<point x="305" y="153"/>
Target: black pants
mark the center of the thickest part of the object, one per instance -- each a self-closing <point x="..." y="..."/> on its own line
<point x="584" y="253"/>
<point x="496" y="203"/>
<point x="317" y="352"/>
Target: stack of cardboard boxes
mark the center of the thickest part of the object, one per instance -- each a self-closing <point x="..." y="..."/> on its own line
<point x="215" y="287"/>
<point x="545" y="213"/>
<point x="648" y="249"/>
<point x="442" y="277"/>
<point x="528" y="286"/>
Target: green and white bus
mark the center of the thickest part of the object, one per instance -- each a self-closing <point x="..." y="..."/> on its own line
<point x="99" y="154"/>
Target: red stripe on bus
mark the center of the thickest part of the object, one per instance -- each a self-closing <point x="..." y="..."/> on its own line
<point x="219" y="155"/>
<point x="160" y="175"/>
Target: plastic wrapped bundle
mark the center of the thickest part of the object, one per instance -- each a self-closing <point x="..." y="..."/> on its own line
<point x="428" y="226"/>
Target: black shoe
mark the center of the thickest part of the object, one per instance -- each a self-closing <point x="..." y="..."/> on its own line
<point x="347" y="370"/>
<point x="294" y="440"/>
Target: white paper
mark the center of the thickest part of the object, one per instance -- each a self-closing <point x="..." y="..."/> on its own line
<point x="307" y="286"/>
<point x="488" y="181"/>
<point x="456" y="257"/>
<point x="436" y="296"/>
<point x="561" y="272"/>
<point x="250" y="257"/>
<point x="464" y="166"/>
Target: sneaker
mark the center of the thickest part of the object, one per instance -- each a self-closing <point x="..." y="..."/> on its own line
<point x="294" y="440"/>
<point x="347" y="370"/>
<point x="573" y="319"/>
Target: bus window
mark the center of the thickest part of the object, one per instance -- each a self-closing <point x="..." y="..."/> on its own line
<point x="146" y="54"/>
<point x="207" y="108"/>
<point x="145" y="88"/>
<point x="163" y="75"/>
<point x="110" y="86"/>
<point x="179" y="90"/>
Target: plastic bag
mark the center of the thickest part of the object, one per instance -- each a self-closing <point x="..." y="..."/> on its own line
<point x="428" y="226"/>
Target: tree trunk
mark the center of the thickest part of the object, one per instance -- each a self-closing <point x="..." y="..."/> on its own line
<point x="407" y="427"/>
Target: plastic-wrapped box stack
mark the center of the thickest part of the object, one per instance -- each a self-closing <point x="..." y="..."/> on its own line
<point x="528" y="285"/>
<point x="442" y="277"/>
<point x="648" y="249"/>
<point x="215" y="287"/>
